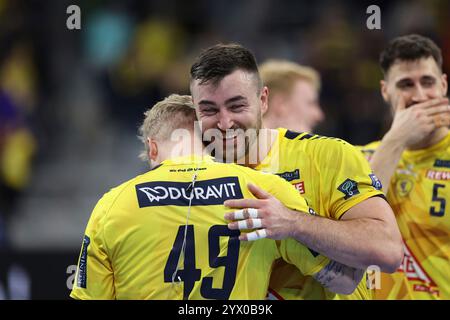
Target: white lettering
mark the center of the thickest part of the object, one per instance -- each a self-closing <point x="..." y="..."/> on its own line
<point x="74" y="20"/>
<point x="374" y="21"/>
<point x="174" y="193"/>
<point x="190" y="197"/>
<point x="232" y="188"/>
<point x="195" y="310"/>
<point x="72" y="269"/>
<point x="199" y="193"/>
<point x="218" y="192"/>
<point x="210" y="193"/>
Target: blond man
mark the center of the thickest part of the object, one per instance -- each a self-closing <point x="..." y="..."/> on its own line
<point x="293" y="96"/>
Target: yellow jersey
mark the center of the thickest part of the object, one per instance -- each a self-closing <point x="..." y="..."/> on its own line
<point x="332" y="176"/>
<point x="137" y="231"/>
<point x="419" y="194"/>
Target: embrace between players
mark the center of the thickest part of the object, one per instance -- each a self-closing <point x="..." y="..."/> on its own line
<point x="199" y="227"/>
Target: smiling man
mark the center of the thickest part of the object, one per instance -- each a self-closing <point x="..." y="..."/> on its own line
<point x="162" y="234"/>
<point x="354" y="224"/>
<point x="413" y="163"/>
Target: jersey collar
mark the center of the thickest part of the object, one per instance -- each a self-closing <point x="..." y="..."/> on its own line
<point x="189" y="159"/>
<point x="272" y="160"/>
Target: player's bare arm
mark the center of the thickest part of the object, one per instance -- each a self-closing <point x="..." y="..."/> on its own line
<point x="367" y="234"/>
<point x="409" y="127"/>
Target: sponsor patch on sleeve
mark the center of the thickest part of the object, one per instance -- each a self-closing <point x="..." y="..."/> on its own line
<point x="349" y="188"/>
<point x="82" y="265"/>
<point x="376" y="183"/>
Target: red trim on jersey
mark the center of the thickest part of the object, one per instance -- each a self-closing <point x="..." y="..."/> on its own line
<point x="275" y="294"/>
<point x="419" y="266"/>
<point x="423" y="288"/>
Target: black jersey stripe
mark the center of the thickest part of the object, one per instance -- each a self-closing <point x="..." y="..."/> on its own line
<point x="291" y="135"/>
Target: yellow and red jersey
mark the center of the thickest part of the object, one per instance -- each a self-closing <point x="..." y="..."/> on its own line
<point x="419" y="194"/>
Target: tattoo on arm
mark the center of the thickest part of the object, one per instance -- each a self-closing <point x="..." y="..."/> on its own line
<point x="337" y="274"/>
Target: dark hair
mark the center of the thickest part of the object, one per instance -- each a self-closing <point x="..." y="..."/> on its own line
<point x="409" y="48"/>
<point x="218" y="61"/>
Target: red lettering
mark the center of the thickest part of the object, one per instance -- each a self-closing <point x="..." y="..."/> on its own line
<point x="300" y="187"/>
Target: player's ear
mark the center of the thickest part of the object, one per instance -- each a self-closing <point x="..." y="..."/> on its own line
<point x="383" y="88"/>
<point x="264" y="100"/>
<point x="153" y="149"/>
<point x="444" y="83"/>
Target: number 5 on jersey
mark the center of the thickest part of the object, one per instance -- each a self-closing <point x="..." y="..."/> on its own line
<point x="439" y="210"/>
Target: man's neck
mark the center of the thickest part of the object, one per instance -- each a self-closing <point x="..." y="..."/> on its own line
<point x="183" y="149"/>
<point x="431" y="140"/>
<point x="260" y="147"/>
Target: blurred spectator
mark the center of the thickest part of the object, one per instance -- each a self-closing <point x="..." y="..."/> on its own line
<point x="107" y="37"/>
<point x="293" y="96"/>
<point x="151" y="67"/>
<point x="17" y="144"/>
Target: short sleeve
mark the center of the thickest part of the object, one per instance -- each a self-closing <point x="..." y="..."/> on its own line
<point x="346" y="178"/>
<point x="94" y="277"/>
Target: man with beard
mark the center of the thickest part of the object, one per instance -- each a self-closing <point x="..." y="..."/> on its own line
<point x="354" y="224"/>
<point x="413" y="163"/>
<point x="162" y="234"/>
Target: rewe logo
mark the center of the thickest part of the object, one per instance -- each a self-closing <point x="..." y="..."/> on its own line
<point x="207" y="192"/>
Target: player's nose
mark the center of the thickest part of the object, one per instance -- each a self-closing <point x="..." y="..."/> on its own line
<point x="225" y="120"/>
<point x="419" y="94"/>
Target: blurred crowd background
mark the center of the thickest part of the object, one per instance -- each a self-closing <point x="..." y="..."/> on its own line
<point x="71" y="100"/>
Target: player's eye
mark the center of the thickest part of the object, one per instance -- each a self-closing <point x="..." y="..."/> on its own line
<point x="428" y="82"/>
<point x="208" y="111"/>
<point x="405" y="85"/>
<point x="236" y="107"/>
